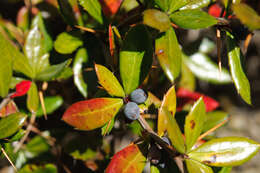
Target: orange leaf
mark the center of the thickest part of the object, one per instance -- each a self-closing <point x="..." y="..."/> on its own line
<point x="128" y="160"/>
<point x="110" y="7"/>
<point x="10" y="108"/>
<point x="91" y="114"/>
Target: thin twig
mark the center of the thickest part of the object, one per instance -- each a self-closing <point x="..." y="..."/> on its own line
<point x="43" y="104"/>
<point x="86" y="29"/>
<point x="49" y="139"/>
<point x="212" y="129"/>
<point x="9" y="160"/>
<point x="219" y="51"/>
<point x="28" y="130"/>
<point x="5" y="101"/>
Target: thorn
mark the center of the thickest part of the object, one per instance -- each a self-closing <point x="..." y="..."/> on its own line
<point x="85" y="29"/>
<point x="43" y="104"/>
<point x="173" y="25"/>
<point x="109" y="123"/>
<point x="247" y="41"/>
<point x="219" y="51"/>
<point x="9" y="160"/>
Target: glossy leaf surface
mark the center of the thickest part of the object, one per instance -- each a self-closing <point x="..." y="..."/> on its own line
<point x="174" y="132"/>
<point x="11" y="124"/>
<point x="192" y="19"/>
<point x="168" y="103"/>
<point x="53" y="71"/>
<point x="247" y="15"/>
<point x="51" y="104"/>
<point x="91" y="114"/>
<point x="197" y="167"/>
<point x="239" y="78"/>
<point x="194" y="123"/>
<point x="169" y="54"/>
<point x="196" y="4"/>
<point x="67" y="42"/>
<point x="32" y="98"/>
<point x="135" y="57"/>
<point x="93" y="8"/>
<point x="30" y="168"/>
<point x="130" y="159"/>
<point x="156" y="19"/>
<point x="81" y="57"/>
<point x="110" y="83"/>
<point x="213" y="119"/>
<point x="227" y="151"/>
<point x="205" y="69"/>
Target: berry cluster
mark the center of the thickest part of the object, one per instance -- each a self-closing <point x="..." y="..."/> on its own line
<point x="131" y="110"/>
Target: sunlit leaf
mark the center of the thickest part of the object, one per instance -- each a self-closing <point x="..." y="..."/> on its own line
<point x="156" y="19"/>
<point x="169" y="54"/>
<point x="32" y="98"/>
<point x="91" y="114"/>
<point x="93" y="7"/>
<point x="11" y="124"/>
<point x="196" y="4"/>
<point x="135" y="57"/>
<point x="236" y="69"/>
<point x="227" y="151"/>
<point x="81" y="57"/>
<point x="197" y="167"/>
<point x="30" y="168"/>
<point x="110" y="7"/>
<point x="130" y="159"/>
<point x="154" y="169"/>
<point x="205" y="69"/>
<point x="152" y="99"/>
<point x="174" y="132"/>
<point x="108" y="81"/>
<point x="187" y="79"/>
<point x="225" y="170"/>
<point x="213" y="119"/>
<point x="51" y="104"/>
<point x="67" y="42"/>
<point x="53" y="71"/>
<point x="168" y="103"/>
<point x="247" y="15"/>
<point x="194" y="123"/>
<point x="193" y="19"/>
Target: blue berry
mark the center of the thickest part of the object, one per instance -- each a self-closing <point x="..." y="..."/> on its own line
<point x="132" y="111"/>
<point x="138" y="96"/>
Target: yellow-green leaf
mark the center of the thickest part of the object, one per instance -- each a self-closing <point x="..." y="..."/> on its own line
<point x="110" y="83"/>
<point x="33" y="98"/>
<point x="194" y="123"/>
<point x="227" y="151"/>
<point x="169" y="103"/>
<point x="197" y="167"/>
<point x="93" y="7"/>
<point x="237" y="72"/>
<point x="169" y="54"/>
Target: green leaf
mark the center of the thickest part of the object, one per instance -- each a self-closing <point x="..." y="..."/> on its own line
<point x="35" y="50"/>
<point x="192" y="19"/>
<point x="33" y="98"/>
<point x="53" y="71"/>
<point x="196" y="4"/>
<point x="81" y="57"/>
<point x="17" y="136"/>
<point x="67" y="42"/>
<point x="36" y="146"/>
<point x="51" y="103"/>
<point x="197" y="167"/>
<point x="236" y="69"/>
<point x="135" y="58"/>
<point x="225" y="170"/>
<point x="47" y="43"/>
<point x="205" y="69"/>
<point x="168" y="103"/>
<point x="176" y="4"/>
<point x="6" y="72"/>
<point x="93" y="7"/>
<point x="93" y="113"/>
<point x="30" y="168"/>
<point x="187" y="79"/>
<point x="194" y="123"/>
<point x="154" y="169"/>
<point x="11" y="124"/>
<point x="110" y="83"/>
<point x="156" y="19"/>
<point x="213" y="119"/>
<point x="174" y="132"/>
<point x="106" y="129"/>
<point x="169" y="54"/>
<point x="227" y="151"/>
<point x="247" y="15"/>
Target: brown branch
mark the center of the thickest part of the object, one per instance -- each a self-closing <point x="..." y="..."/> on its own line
<point x="9" y="160"/>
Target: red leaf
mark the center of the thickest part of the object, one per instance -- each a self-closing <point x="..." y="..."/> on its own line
<point x="10" y="108"/>
<point x="128" y="160"/>
<point x="215" y="10"/>
<point x="110" y="7"/>
<point x="187" y="96"/>
<point x="111" y="41"/>
<point x="21" y="88"/>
